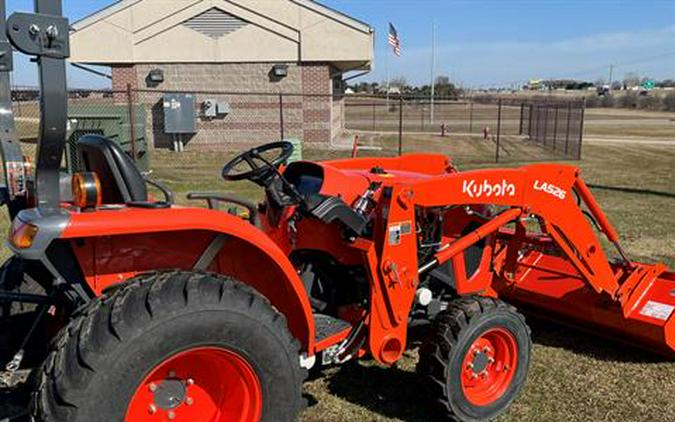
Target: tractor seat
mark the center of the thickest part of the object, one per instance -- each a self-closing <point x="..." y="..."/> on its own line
<point x="121" y="182"/>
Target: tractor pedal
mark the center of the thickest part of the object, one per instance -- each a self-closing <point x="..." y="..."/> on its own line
<point x="327" y="326"/>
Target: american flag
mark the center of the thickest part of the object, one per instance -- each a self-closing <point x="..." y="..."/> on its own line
<point x="394" y="40"/>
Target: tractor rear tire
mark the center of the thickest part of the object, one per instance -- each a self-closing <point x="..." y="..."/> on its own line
<point x="173" y="345"/>
<point x="476" y="358"/>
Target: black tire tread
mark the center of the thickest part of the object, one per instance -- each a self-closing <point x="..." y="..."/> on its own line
<point x="121" y="313"/>
<point x="443" y="338"/>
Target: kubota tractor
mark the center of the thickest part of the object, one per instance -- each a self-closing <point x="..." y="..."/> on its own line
<point x="162" y="313"/>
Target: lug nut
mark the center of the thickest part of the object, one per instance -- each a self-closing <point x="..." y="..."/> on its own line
<point x="189" y="401"/>
<point x="152" y="387"/>
<point x="469" y="366"/>
<point x="171" y="416"/>
<point x="486" y="350"/>
<point x="152" y="409"/>
<point x="506" y="368"/>
<point x="491" y="360"/>
<point x="190" y="381"/>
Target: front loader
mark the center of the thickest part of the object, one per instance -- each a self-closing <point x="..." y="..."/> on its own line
<point x="157" y="312"/>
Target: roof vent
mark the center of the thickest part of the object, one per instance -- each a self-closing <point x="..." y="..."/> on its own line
<point x="215" y="23"/>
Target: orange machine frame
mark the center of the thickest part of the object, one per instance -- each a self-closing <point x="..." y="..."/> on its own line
<point x="561" y="268"/>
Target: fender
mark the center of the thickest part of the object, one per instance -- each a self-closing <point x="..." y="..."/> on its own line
<point x="115" y="244"/>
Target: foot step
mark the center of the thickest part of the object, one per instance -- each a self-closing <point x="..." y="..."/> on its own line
<point x="327" y="326"/>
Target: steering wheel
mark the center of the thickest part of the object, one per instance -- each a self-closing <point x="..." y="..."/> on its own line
<point x="252" y="165"/>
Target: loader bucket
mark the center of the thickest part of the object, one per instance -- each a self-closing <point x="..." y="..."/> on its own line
<point x="550" y="287"/>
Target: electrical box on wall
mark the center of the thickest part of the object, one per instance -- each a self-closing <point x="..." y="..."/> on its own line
<point x="210" y="109"/>
<point x="223" y="108"/>
<point x="179" y="114"/>
<point x="214" y="108"/>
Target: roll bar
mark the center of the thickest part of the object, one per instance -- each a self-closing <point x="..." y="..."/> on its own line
<point x="45" y="36"/>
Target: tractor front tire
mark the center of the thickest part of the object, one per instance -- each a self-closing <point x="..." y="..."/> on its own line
<point x="476" y="358"/>
<point x="173" y="346"/>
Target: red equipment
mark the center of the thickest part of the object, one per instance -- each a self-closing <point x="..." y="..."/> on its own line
<point x="178" y="313"/>
<point x="350" y="251"/>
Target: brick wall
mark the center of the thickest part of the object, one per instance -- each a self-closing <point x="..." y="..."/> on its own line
<point x="253" y="119"/>
<point x="316" y="111"/>
<point x="123" y="75"/>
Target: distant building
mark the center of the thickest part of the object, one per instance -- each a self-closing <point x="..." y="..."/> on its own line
<point x="254" y="46"/>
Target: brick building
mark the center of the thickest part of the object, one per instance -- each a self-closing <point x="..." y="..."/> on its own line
<point x="242" y="53"/>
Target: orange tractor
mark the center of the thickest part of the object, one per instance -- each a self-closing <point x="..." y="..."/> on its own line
<point x="178" y="313"/>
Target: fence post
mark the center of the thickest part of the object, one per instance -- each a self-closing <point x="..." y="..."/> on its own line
<point x="132" y="122"/>
<point x="281" y="116"/>
<point x="555" y="127"/>
<point x="567" y="132"/>
<point x="374" y="110"/>
<point x="529" y="126"/>
<point x="581" y="127"/>
<point x="471" y="115"/>
<point x="499" y="129"/>
<point x="522" y="116"/>
<point x="421" y="116"/>
<point x="546" y="107"/>
<point x="400" y="125"/>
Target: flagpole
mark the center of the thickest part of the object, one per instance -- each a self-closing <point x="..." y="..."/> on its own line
<point x="433" y="69"/>
<point x="386" y="65"/>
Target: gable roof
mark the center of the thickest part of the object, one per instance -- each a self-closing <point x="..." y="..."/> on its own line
<point x="152" y="31"/>
<point x="120" y="5"/>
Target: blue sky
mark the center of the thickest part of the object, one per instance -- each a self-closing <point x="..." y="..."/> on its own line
<point x="493" y="42"/>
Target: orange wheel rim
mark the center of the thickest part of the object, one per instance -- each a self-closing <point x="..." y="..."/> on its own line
<point x="489" y="367"/>
<point x="203" y="384"/>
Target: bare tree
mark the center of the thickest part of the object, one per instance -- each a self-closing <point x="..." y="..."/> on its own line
<point x="399" y="82"/>
<point x="631" y="79"/>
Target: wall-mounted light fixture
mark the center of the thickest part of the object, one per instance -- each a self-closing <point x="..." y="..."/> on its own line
<point x="280" y="71"/>
<point x="156" y="76"/>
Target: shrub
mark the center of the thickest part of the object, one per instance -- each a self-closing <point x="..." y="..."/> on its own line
<point x="607" y="101"/>
<point x="649" y="102"/>
<point x="669" y="101"/>
<point x="593" y="101"/>
<point x="628" y="100"/>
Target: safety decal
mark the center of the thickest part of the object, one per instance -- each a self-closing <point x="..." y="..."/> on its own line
<point x="397" y="230"/>
<point x="657" y="310"/>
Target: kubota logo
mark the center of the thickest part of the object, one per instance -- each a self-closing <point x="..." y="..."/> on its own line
<point x="485" y="188"/>
<point x="550" y="189"/>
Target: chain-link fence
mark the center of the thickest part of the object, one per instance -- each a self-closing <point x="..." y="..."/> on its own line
<point x="184" y="128"/>
<point x="555" y="126"/>
<point x="476" y="130"/>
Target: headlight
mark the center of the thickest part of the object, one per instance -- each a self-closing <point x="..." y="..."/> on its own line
<point x="22" y="234"/>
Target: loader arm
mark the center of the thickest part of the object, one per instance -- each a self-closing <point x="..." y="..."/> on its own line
<point x="547" y="191"/>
